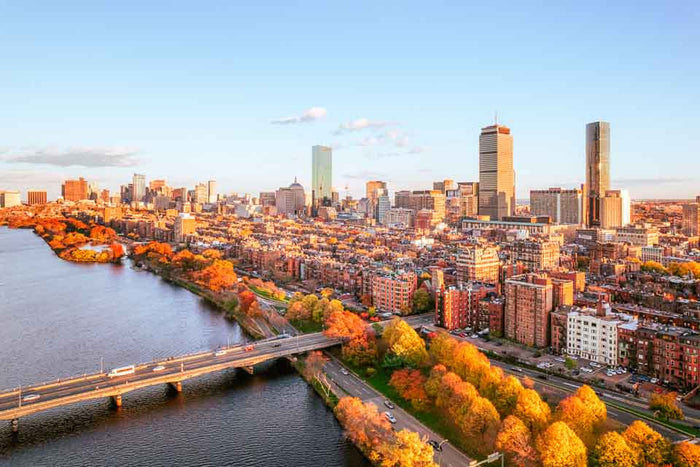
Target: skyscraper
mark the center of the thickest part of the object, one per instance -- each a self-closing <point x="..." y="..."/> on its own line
<point x="691" y="218"/>
<point x="597" y="168"/>
<point x="139" y="188"/>
<point x="496" y="175"/>
<point x="561" y="205"/>
<point x="75" y="190"/>
<point x="321" y="176"/>
<point x="211" y="191"/>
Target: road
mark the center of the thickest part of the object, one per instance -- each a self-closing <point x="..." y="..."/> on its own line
<point x="562" y="387"/>
<point x="352" y="385"/>
<point x="173" y="370"/>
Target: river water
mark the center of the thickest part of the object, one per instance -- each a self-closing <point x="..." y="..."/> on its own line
<point x="59" y="319"/>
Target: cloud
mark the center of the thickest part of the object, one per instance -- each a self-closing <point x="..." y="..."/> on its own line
<point x="360" y="124"/>
<point x="651" y="181"/>
<point x="365" y="175"/>
<point x="309" y="115"/>
<point x="77" y="156"/>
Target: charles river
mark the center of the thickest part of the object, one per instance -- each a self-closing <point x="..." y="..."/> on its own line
<point x="59" y="319"/>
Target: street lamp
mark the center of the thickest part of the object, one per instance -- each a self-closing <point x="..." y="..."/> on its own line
<point x="493" y="457"/>
<point x="440" y="450"/>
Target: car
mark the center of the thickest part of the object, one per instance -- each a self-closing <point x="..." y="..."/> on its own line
<point x="654" y="380"/>
<point x="585" y="369"/>
<point x="541" y="376"/>
<point x="248" y="348"/>
<point x="388" y="404"/>
<point x="595" y="365"/>
<point x="390" y="417"/>
<point x="277" y="344"/>
<point x="219" y="353"/>
<point x="158" y="368"/>
<point x="344" y="371"/>
<point x="30" y="397"/>
<point x="515" y="368"/>
<point x="462" y="334"/>
<point x="435" y="445"/>
<point x="560" y="359"/>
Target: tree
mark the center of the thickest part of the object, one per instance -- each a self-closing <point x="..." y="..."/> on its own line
<point x="363" y="425"/>
<point x="532" y="410"/>
<point x="648" y="446"/>
<point x="665" y="406"/>
<point x="404" y="342"/>
<point x="515" y="441"/>
<point x="442" y="348"/>
<point x="313" y="369"/>
<point x="309" y="303"/>
<point x="559" y="446"/>
<point x="297" y="311"/>
<point x="410" y="385"/>
<point x="345" y="325"/>
<point x="480" y="422"/>
<point x="423" y="301"/>
<point x="653" y="266"/>
<point x="246" y="299"/>
<point x="569" y="363"/>
<point x="219" y="275"/>
<point x="597" y="407"/>
<point x="686" y="454"/>
<point x="506" y="396"/>
<point x="408" y="450"/>
<point x="612" y="451"/>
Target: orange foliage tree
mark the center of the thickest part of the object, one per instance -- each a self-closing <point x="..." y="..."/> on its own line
<point x="410" y="385"/>
<point x="559" y="446"/>
<point x="515" y="441"/>
<point x="218" y="276"/>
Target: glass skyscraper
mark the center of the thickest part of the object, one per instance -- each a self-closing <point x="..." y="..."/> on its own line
<point x="597" y="168"/>
<point x="138" y="188"/>
<point x="321" y="176"/>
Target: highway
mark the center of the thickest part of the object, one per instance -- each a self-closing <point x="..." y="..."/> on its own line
<point x="14" y="404"/>
<point x="353" y="386"/>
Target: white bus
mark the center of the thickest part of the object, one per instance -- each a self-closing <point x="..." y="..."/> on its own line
<point x="123" y="371"/>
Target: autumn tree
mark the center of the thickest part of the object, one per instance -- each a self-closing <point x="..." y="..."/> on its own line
<point x="612" y="451"/>
<point x="363" y="425"/>
<point x="407" y="449"/>
<point x="515" y="441"/>
<point x="686" y="454"/>
<point x="359" y="342"/>
<point x="423" y="301"/>
<point x="404" y="343"/>
<point x="410" y="386"/>
<point x="532" y="410"/>
<point x="559" y="446"/>
<point x="665" y="406"/>
<point x="219" y="275"/>
<point x="313" y="370"/>
<point x="648" y="446"/>
<point x="246" y="298"/>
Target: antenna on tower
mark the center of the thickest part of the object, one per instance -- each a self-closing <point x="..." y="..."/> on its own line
<point x="495" y="117"/>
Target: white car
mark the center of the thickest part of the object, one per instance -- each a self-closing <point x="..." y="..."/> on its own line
<point x="585" y="369"/>
<point x="595" y="365"/>
<point x="30" y="397"/>
<point x="158" y="368"/>
<point x="219" y="353"/>
<point x="344" y="371"/>
<point x="390" y="417"/>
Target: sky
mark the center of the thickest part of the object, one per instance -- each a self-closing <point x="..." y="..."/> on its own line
<point x="240" y="91"/>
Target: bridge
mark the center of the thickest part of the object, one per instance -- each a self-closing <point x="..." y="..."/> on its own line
<point x="20" y="402"/>
<point x="24" y="401"/>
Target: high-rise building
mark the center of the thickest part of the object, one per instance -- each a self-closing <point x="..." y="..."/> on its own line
<point x="9" y="199"/>
<point x="375" y="188"/>
<point x="691" y="218"/>
<point x="529" y="301"/>
<point x="291" y="201"/>
<point x="399" y="218"/>
<point x="536" y="255"/>
<point x="496" y="174"/>
<point x="383" y="205"/>
<point x="561" y="205"/>
<point x="444" y="185"/>
<point x="36" y="197"/>
<point x="597" y="168"/>
<point x="74" y="190"/>
<point x="267" y="198"/>
<point x="478" y="264"/>
<point x="201" y="193"/>
<point x="211" y="191"/>
<point x="185" y="225"/>
<point x="433" y="200"/>
<point x="321" y="176"/>
<point x="138" y="191"/>
<point x="615" y="209"/>
<point x="462" y="202"/>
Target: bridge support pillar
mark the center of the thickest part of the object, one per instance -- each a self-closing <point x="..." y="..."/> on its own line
<point x="177" y="386"/>
<point x="15" y="425"/>
<point x="249" y="369"/>
<point x="117" y="400"/>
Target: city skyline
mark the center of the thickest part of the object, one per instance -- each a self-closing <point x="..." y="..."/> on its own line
<point x="122" y="112"/>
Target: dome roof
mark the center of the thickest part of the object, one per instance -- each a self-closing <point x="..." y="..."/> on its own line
<point x="296" y="184"/>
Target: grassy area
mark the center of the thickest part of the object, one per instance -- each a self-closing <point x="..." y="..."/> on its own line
<point x="266" y="294"/>
<point x="305" y="326"/>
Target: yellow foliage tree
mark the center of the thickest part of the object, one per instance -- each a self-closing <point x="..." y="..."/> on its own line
<point x="648" y="446"/>
<point x="559" y="446"/>
<point x="686" y="454"/>
<point x="404" y="342"/>
<point x="612" y="451"/>
<point x="532" y="410"/>
<point x="515" y="441"/>
<point x="408" y="450"/>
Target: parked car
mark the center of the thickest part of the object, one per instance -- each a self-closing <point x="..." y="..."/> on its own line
<point x="585" y="369"/>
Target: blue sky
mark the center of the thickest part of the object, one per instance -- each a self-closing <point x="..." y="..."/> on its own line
<point x="189" y="91"/>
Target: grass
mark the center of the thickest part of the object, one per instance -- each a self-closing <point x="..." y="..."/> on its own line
<point x="306" y="326"/>
<point x="266" y="294"/>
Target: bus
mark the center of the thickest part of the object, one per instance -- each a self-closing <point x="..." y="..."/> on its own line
<point x="123" y="371"/>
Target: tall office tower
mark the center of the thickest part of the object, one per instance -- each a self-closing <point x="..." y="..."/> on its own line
<point x="529" y="302"/>
<point x="211" y="191"/>
<point x="321" y="176"/>
<point x="74" y="190"/>
<point x="691" y="218"/>
<point x="201" y="193"/>
<point x="445" y="185"/>
<point x="615" y="209"/>
<point x="291" y="201"/>
<point x="383" y="205"/>
<point x="36" y="197"/>
<point x="138" y="192"/>
<point x="375" y="188"/>
<point x="597" y="168"/>
<point x="562" y="206"/>
<point x="496" y="174"/>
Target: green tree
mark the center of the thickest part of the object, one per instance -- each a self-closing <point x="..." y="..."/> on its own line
<point x="423" y="301"/>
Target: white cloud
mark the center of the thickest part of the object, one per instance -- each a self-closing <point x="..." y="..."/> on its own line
<point x="360" y="124"/>
<point x="77" y="156"/>
<point x="309" y="115"/>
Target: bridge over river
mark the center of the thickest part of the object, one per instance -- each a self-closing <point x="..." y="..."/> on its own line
<point x="20" y="402"/>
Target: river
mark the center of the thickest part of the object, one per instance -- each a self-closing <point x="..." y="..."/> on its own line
<point x="59" y="319"/>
